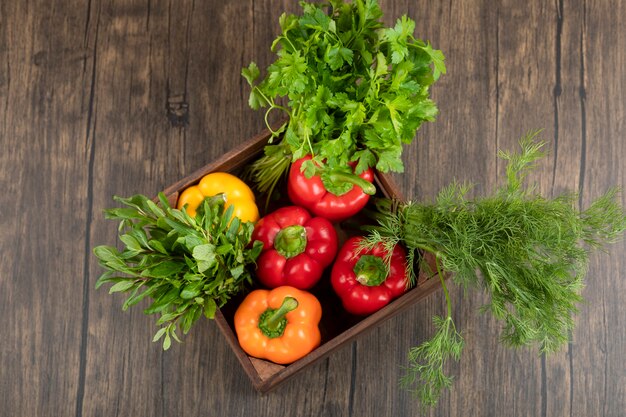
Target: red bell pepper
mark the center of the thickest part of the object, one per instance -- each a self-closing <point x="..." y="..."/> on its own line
<point x="311" y="194"/>
<point x="362" y="280"/>
<point x="296" y="247"/>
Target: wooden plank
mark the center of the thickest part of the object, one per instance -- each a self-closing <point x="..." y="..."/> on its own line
<point x="44" y="204"/>
<point x="138" y="150"/>
<point x="597" y="355"/>
<point x="526" y="77"/>
<point x="566" y="155"/>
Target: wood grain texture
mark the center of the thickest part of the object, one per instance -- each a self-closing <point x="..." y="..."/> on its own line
<point x="45" y="204"/>
<point x="118" y="97"/>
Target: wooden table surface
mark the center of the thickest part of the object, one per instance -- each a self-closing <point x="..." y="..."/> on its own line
<point x="106" y="97"/>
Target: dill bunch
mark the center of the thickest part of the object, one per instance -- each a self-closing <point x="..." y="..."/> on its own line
<point x="528" y="252"/>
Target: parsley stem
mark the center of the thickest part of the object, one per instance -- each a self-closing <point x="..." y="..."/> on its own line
<point x="285" y="37"/>
<point x="267" y="100"/>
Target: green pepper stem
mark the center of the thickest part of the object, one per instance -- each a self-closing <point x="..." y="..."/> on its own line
<point x="366" y="186"/>
<point x="289" y="304"/>
<point x="272" y="323"/>
<point x="370" y="270"/>
<point x="291" y="241"/>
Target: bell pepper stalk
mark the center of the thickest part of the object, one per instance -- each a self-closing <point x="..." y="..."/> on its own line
<point x="280" y="325"/>
<point x="296" y="248"/>
<point x="367" y="280"/>
<point x="312" y="194"/>
<point x="235" y="191"/>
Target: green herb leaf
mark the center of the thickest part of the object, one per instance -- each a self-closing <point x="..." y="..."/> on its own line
<point x="192" y="290"/>
<point x="158" y="246"/>
<point x="167" y="342"/>
<point x="398" y="37"/>
<point x="163" y="269"/>
<point x="131" y="242"/>
<point x="205" y="256"/>
<point x="251" y="73"/>
<point x="366" y="160"/>
<point x="137" y="297"/>
<point x="106" y="253"/>
<point x="164" y="301"/>
<point x="159" y="334"/>
<point x="390" y="160"/>
<point x="437" y="58"/>
<point x="210" y="307"/>
<point x="121" y="286"/>
<point x="173" y="257"/>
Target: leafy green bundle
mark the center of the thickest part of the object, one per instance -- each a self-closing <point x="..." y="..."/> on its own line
<point x="356" y="91"/>
<point x="188" y="266"/>
<point x="529" y="253"/>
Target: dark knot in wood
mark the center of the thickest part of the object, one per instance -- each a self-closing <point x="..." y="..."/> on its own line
<point x="178" y="110"/>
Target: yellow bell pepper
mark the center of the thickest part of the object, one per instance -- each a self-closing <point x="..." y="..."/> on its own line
<point x="236" y="192"/>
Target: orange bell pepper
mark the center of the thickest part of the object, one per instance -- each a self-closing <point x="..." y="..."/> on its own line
<point x="280" y="325"/>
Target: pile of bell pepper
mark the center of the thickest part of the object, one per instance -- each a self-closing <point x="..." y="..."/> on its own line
<point x="281" y="323"/>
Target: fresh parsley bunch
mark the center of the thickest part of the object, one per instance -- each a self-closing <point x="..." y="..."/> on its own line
<point x="355" y="90"/>
<point x="187" y="265"/>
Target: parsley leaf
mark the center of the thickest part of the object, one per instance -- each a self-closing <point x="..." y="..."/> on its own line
<point x="355" y="89"/>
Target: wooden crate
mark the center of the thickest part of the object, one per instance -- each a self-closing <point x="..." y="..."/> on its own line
<point x="338" y="327"/>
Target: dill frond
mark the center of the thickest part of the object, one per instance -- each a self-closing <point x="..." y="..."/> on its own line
<point x="528" y="252"/>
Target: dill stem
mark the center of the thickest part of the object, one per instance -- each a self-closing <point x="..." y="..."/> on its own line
<point x="445" y="288"/>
